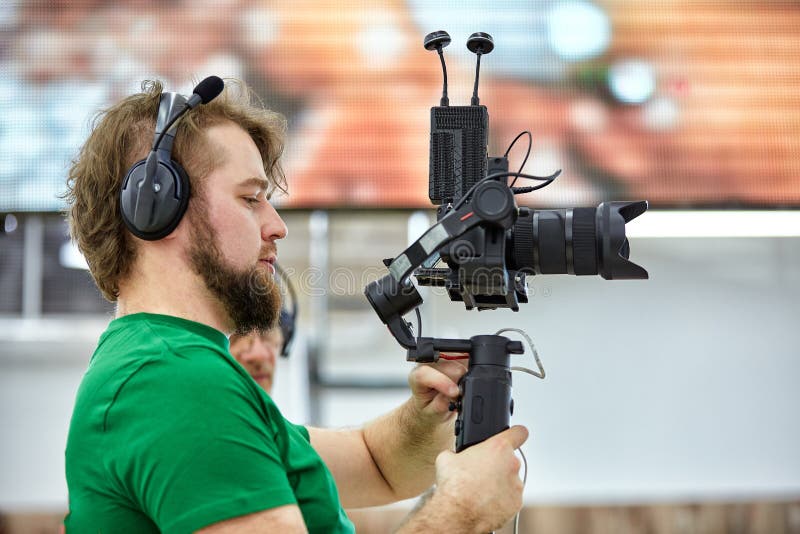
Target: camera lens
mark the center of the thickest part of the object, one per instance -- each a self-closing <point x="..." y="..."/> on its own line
<point x="579" y="241"/>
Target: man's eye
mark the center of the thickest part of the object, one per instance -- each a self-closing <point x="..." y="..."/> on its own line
<point x="252" y="200"/>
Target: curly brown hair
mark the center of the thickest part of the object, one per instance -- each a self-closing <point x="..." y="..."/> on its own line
<point x="121" y="136"/>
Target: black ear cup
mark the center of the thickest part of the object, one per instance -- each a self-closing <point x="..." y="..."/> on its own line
<point x="288" y="319"/>
<point x="154" y="214"/>
<point x="287" y="322"/>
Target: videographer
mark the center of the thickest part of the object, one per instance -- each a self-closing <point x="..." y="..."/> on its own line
<point x="168" y="433"/>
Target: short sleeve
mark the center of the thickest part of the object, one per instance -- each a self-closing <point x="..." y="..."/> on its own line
<point x="303" y="431"/>
<point x="200" y="447"/>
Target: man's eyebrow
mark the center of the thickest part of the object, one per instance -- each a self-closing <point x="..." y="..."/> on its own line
<point x="261" y="183"/>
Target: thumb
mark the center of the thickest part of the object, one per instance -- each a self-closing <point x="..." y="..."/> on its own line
<point x="515" y="436"/>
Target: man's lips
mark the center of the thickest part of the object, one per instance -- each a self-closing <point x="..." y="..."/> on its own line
<point x="262" y="376"/>
<point x="270" y="262"/>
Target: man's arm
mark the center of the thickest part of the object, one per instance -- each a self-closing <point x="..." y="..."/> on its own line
<point x="286" y="519"/>
<point x="477" y="491"/>
<point x="393" y="457"/>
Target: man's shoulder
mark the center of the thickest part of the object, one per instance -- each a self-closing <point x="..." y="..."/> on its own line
<point x="144" y="354"/>
<point x="163" y="331"/>
<point x="167" y="339"/>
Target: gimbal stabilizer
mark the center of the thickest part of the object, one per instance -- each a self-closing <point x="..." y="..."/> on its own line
<point x="479" y="215"/>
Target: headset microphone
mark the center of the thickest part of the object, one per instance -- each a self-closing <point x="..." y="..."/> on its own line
<point x="155" y="192"/>
<point x="206" y="91"/>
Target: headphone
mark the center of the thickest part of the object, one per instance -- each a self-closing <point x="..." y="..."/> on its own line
<point x="155" y="191"/>
<point x="287" y="320"/>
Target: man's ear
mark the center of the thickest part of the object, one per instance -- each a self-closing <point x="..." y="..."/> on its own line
<point x="181" y="231"/>
<point x="177" y="232"/>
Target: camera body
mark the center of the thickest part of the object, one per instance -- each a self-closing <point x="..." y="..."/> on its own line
<point x="487" y="265"/>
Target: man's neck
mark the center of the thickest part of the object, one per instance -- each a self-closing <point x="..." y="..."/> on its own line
<point x="182" y="296"/>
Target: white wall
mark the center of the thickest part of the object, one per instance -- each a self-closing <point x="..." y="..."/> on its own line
<point x="684" y="386"/>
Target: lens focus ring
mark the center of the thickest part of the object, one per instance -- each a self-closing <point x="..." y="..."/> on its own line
<point x="584" y="245"/>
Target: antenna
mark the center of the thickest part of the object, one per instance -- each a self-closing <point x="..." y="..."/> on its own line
<point x="479" y="43"/>
<point x="437" y="41"/>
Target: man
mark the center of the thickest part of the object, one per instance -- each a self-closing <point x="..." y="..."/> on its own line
<point x="168" y="432"/>
<point x="258" y="352"/>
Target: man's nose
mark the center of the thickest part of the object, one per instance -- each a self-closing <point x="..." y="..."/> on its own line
<point x="261" y="352"/>
<point x="273" y="227"/>
<point x="256" y="355"/>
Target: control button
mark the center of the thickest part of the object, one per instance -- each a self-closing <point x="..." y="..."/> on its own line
<point x="511" y="407"/>
<point x="458" y="426"/>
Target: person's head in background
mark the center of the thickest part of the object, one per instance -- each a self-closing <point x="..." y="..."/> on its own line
<point x="258" y="352"/>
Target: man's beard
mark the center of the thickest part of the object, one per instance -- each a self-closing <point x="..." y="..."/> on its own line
<point x="250" y="297"/>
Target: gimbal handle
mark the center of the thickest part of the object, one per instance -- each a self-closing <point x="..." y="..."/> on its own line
<point x="485" y="405"/>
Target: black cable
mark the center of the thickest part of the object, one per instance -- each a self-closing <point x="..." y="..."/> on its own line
<point x="527" y="154"/>
<point x="528" y="189"/>
<point x="523" y="190"/>
<point x="547" y="179"/>
<point x="530" y="141"/>
<point x="526" y="176"/>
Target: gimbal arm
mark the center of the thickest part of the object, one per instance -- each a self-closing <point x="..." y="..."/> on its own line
<point x="491" y="203"/>
<point x="484" y="405"/>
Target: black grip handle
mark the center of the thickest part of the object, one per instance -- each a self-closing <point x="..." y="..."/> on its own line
<point x="485" y="406"/>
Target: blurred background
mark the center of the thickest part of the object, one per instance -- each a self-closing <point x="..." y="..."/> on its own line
<point x="671" y="405"/>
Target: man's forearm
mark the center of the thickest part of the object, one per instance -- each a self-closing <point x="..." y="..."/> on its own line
<point x="437" y="513"/>
<point x="404" y="445"/>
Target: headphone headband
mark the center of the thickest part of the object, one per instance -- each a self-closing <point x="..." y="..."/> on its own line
<point x="169" y="106"/>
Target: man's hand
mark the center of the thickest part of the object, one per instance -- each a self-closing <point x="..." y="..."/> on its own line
<point x="477" y="490"/>
<point x="434" y="386"/>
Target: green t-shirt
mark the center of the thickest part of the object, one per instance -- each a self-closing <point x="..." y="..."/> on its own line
<point x="169" y="433"/>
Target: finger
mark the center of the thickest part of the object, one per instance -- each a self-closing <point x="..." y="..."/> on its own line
<point x="454" y="357"/>
<point x="426" y="377"/>
<point x="453" y="369"/>
<point x="440" y="405"/>
<point x="515" y="436"/>
<point x="431" y="378"/>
